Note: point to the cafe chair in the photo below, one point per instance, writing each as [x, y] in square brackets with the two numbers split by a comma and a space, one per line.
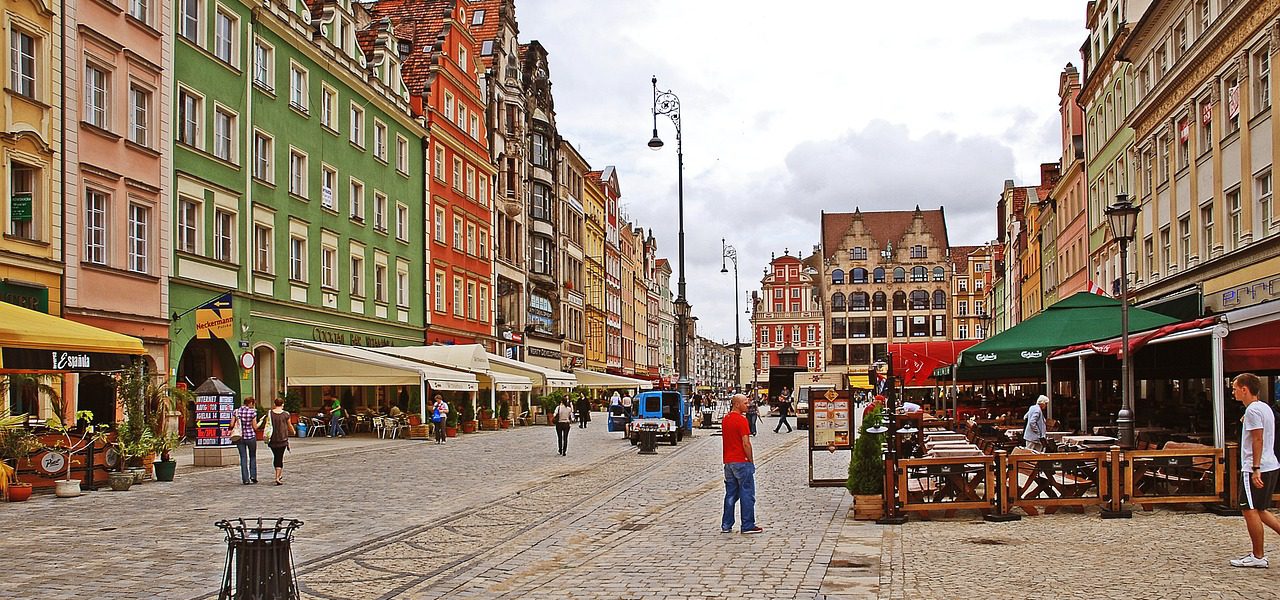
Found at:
[379, 426]
[391, 426]
[317, 427]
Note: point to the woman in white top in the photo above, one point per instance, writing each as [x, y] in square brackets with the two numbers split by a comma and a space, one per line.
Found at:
[563, 418]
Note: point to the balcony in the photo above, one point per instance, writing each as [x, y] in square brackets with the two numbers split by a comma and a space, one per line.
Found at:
[807, 314]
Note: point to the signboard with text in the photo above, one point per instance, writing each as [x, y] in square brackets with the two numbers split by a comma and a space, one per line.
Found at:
[831, 418]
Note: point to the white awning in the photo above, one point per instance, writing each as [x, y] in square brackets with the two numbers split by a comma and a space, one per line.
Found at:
[541, 376]
[310, 363]
[463, 357]
[596, 379]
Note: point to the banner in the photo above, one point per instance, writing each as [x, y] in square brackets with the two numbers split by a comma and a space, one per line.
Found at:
[214, 319]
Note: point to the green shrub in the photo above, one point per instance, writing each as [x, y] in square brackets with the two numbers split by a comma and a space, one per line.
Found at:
[866, 465]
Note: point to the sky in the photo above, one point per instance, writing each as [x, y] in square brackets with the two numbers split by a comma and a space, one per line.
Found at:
[791, 110]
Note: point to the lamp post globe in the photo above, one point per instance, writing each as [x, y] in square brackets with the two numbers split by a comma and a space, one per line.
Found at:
[668, 104]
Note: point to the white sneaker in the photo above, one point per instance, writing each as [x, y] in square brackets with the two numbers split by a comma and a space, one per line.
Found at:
[1249, 560]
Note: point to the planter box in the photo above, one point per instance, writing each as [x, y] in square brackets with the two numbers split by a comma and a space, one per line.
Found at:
[504, 423]
[468, 427]
[489, 424]
[419, 432]
[868, 507]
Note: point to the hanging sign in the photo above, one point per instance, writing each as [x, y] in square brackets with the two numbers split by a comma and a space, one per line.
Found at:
[214, 319]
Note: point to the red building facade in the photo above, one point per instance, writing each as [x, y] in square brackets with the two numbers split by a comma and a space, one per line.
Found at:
[785, 318]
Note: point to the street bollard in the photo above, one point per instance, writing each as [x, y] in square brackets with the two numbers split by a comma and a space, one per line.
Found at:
[648, 441]
[259, 564]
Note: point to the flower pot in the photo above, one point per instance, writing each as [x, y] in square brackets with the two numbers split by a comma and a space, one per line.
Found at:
[165, 469]
[66, 488]
[868, 507]
[450, 431]
[415, 420]
[120, 482]
[19, 492]
[469, 426]
[504, 423]
[139, 475]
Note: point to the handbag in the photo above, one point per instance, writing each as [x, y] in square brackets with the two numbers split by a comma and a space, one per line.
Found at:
[235, 436]
[267, 427]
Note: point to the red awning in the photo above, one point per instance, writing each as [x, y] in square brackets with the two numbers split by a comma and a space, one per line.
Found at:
[915, 361]
[1111, 347]
[1254, 348]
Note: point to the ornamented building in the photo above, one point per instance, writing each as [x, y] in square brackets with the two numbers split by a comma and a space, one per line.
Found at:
[970, 280]
[573, 257]
[787, 319]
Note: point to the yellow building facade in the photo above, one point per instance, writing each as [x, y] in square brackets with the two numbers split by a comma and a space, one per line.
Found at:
[593, 205]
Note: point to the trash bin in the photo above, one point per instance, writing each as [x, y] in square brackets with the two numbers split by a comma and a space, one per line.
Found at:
[707, 415]
[302, 429]
[259, 563]
[648, 441]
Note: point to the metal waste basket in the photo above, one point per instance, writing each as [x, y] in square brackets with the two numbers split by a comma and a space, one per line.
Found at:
[259, 563]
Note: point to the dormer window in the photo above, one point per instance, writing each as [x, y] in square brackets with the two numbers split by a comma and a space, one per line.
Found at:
[477, 18]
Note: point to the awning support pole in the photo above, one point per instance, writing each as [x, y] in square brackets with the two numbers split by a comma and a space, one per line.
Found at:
[422, 399]
[1048, 386]
[1082, 390]
[1219, 391]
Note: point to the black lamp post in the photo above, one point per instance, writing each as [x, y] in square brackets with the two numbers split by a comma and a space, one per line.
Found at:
[730, 253]
[1123, 219]
[667, 103]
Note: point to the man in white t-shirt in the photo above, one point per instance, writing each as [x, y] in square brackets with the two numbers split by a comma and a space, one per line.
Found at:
[1258, 465]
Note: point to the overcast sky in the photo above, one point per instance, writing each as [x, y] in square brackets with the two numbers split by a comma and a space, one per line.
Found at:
[790, 110]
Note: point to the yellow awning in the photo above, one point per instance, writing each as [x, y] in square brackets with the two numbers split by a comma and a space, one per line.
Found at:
[25, 329]
[860, 382]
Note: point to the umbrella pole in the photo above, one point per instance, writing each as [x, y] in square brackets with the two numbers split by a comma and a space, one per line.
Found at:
[1084, 412]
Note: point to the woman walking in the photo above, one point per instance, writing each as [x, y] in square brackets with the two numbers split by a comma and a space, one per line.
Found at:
[563, 417]
[278, 439]
[439, 413]
[753, 413]
[584, 411]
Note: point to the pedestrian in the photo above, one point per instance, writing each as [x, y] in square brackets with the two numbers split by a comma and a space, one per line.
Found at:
[753, 414]
[626, 404]
[584, 411]
[1258, 465]
[563, 417]
[739, 470]
[242, 422]
[336, 413]
[1034, 433]
[278, 437]
[439, 413]
[784, 407]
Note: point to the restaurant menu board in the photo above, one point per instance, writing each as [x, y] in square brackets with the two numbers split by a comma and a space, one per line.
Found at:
[213, 420]
[831, 423]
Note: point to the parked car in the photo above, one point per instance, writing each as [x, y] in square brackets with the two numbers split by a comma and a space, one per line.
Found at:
[665, 412]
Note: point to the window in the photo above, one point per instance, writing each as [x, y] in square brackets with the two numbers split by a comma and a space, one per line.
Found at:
[224, 37]
[962, 308]
[462, 117]
[440, 235]
[224, 232]
[357, 275]
[297, 87]
[878, 301]
[139, 218]
[858, 301]
[837, 302]
[919, 300]
[977, 285]
[471, 182]
[191, 13]
[475, 127]
[448, 106]
[541, 152]
[543, 255]
[1262, 189]
[402, 154]
[357, 201]
[811, 334]
[919, 251]
[264, 67]
[877, 276]
[482, 193]
[297, 174]
[380, 211]
[978, 308]
[457, 173]
[1206, 224]
[1261, 80]
[328, 274]
[439, 291]
[795, 335]
[764, 333]
[899, 300]
[899, 275]
[540, 202]
[1232, 98]
[939, 325]
[1184, 143]
[380, 283]
[962, 284]
[900, 326]
[188, 217]
[457, 233]
[962, 331]
[484, 248]
[297, 259]
[357, 125]
[1206, 125]
[95, 96]
[262, 257]
[1184, 241]
[471, 239]
[262, 157]
[1233, 226]
[380, 141]
[95, 227]
[402, 288]
[1148, 247]
[859, 328]
[439, 162]
[471, 300]
[1166, 249]
[939, 300]
[138, 9]
[328, 187]
[462, 58]
[139, 116]
[858, 275]
[837, 276]
[188, 118]
[919, 274]
[764, 358]
[22, 63]
[858, 253]
[224, 124]
[328, 107]
[939, 274]
[459, 306]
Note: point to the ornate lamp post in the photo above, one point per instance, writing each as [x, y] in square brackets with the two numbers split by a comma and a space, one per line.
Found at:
[667, 103]
[1123, 219]
[730, 253]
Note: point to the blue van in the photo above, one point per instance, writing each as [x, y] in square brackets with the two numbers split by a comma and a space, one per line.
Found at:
[665, 411]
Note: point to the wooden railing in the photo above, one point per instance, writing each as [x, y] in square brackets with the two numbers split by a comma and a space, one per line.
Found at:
[929, 484]
[1050, 481]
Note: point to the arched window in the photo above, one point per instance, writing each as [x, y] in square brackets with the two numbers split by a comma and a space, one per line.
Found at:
[858, 301]
[837, 301]
[899, 300]
[919, 300]
[919, 274]
[939, 299]
[859, 275]
[939, 274]
[877, 276]
[837, 276]
[899, 275]
[877, 301]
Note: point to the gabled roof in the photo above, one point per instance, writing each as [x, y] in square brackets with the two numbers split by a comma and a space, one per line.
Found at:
[883, 226]
[488, 29]
[960, 254]
[420, 22]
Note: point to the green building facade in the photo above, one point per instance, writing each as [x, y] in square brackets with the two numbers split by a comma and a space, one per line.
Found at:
[298, 190]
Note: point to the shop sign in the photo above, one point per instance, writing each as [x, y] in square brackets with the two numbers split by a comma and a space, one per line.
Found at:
[513, 336]
[832, 422]
[543, 352]
[1247, 294]
[214, 319]
[213, 420]
[51, 463]
[20, 207]
[347, 338]
[30, 297]
[57, 360]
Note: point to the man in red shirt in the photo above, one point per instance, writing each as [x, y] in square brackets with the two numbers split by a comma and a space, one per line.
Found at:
[739, 471]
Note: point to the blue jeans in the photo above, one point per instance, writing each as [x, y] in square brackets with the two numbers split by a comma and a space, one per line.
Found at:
[751, 421]
[739, 484]
[248, 459]
[335, 426]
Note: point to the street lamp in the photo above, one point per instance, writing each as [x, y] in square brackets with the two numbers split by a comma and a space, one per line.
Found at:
[1123, 219]
[730, 253]
[667, 103]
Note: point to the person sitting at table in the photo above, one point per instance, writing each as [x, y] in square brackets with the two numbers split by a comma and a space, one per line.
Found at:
[1034, 433]
[909, 407]
[394, 411]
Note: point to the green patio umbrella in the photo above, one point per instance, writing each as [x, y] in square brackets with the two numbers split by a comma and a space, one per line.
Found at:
[1020, 352]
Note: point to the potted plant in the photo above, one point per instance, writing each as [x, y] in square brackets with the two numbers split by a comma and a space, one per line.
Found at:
[414, 407]
[451, 420]
[163, 445]
[504, 414]
[16, 444]
[89, 434]
[293, 406]
[866, 469]
[132, 452]
[468, 417]
[549, 403]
